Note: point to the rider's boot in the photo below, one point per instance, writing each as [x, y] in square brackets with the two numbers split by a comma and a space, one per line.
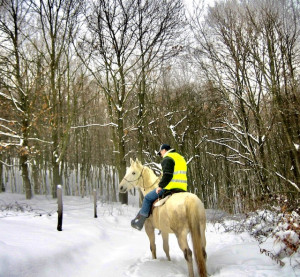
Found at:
[138, 222]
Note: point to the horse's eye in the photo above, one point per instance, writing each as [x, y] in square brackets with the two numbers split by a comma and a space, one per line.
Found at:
[133, 173]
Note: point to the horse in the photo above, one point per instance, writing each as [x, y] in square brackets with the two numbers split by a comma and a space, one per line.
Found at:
[181, 214]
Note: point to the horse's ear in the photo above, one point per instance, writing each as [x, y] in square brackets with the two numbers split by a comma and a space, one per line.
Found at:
[137, 161]
[131, 161]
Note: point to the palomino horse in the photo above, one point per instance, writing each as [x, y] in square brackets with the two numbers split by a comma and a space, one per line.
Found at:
[181, 214]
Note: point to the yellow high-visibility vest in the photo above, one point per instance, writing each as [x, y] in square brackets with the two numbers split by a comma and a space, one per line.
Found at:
[179, 180]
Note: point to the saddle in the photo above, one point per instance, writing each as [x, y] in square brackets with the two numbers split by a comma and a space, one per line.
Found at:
[167, 194]
[160, 202]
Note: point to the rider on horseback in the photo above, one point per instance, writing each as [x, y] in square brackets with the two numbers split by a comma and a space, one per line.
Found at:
[174, 179]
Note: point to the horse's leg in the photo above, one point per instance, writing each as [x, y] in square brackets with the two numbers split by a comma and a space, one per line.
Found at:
[203, 239]
[165, 237]
[183, 244]
[151, 235]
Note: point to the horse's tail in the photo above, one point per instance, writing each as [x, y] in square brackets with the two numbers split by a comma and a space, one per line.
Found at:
[196, 217]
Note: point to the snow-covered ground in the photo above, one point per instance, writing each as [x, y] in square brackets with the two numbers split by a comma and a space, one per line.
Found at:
[107, 246]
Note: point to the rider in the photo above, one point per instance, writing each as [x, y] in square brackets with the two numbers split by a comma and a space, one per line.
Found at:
[174, 179]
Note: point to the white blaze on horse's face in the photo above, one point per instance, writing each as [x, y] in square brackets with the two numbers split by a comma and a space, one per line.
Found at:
[131, 177]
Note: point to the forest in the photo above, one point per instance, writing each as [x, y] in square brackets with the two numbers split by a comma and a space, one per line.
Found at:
[87, 85]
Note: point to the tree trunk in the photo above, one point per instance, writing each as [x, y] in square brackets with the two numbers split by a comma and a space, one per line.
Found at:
[2, 187]
[25, 176]
[123, 197]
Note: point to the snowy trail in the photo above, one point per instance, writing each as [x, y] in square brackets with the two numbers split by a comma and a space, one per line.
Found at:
[107, 246]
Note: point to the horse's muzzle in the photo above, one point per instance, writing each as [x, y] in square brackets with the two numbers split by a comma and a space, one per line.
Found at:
[122, 189]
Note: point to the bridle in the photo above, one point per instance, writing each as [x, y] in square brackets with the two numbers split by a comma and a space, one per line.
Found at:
[141, 176]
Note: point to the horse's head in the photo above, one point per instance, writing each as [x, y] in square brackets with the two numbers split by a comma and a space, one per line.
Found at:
[132, 176]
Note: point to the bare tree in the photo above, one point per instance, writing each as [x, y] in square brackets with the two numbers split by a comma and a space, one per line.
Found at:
[128, 40]
[110, 37]
[244, 53]
[279, 24]
[57, 21]
[16, 84]
[159, 28]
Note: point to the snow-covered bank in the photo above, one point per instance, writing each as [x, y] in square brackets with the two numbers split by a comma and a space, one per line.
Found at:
[107, 246]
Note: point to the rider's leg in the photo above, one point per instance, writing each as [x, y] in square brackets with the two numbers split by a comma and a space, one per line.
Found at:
[139, 220]
[148, 201]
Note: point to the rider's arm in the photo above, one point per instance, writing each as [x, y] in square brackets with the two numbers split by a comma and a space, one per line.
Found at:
[168, 170]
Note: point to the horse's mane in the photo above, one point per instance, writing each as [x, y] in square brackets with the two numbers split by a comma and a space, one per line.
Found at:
[153, 178]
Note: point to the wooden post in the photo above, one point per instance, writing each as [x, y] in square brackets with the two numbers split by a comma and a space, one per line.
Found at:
[60, 208]
[95, 203]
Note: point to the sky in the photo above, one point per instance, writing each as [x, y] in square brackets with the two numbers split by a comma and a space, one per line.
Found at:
[189, 3]
[107, 246]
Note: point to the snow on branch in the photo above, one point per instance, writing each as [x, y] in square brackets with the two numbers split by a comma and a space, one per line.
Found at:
[10, 135]
[5, 96]
[8, 121]
[228, 158]
[172, 127]
[99, 125]
[3, 144]
[13, 99]
[180, 121]
[238, 140]
[169, 114]
[9, 165]
[192, 158]
[8, 129]
[235, 131]
[289, 181]
[219, 142]
[41, 140]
